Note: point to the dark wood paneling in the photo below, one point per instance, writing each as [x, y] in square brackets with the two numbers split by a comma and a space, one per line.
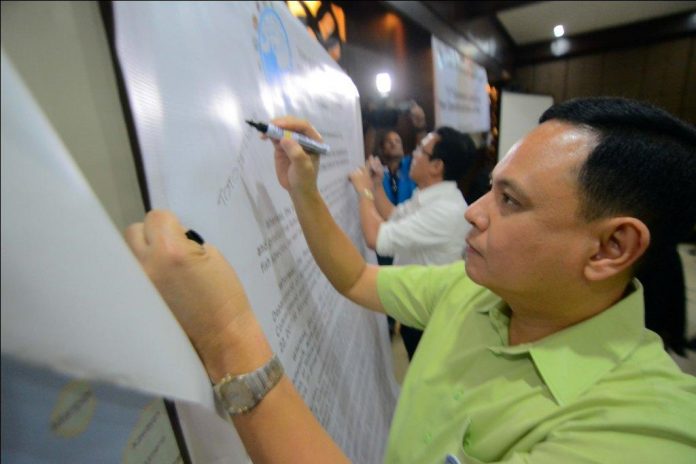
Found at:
[524, 79]
[584, 77]
[465, 41]
[621, 73]
[465, 10]
[488, 35]
[689, 105]
[662, 73]
[379, 40]
[549, 79]
[665, 77]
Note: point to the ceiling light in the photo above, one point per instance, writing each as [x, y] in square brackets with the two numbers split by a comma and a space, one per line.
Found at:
[558, 31]
[560, 46]
[383, 82]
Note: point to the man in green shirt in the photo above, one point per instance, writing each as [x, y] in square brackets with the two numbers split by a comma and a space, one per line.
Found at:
[534, 350]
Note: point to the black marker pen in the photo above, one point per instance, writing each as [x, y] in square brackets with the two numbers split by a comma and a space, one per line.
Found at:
[277, 133]
[193, 235]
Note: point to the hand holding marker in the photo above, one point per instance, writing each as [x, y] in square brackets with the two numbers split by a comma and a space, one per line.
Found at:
[277, 133]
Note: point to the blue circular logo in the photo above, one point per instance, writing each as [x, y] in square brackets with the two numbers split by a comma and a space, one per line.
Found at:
[274, 47]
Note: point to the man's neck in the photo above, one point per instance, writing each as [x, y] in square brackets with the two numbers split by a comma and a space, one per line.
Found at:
[424, 184]
[532, 322]
[393, 164]
[528, 330]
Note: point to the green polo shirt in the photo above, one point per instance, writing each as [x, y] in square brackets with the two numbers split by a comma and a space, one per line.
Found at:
[601, 391]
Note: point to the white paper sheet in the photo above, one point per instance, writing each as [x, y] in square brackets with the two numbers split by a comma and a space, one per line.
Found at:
[50, 418]
[194, 72]
[74, 299]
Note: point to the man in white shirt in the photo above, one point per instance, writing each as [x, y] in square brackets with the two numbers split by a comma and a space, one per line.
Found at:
[429, 228]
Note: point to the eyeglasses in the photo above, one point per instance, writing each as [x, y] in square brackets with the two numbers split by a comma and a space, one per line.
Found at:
[419, 150]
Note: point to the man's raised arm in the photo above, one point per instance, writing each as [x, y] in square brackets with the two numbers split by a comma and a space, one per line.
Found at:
[208, 300]
[336, 255]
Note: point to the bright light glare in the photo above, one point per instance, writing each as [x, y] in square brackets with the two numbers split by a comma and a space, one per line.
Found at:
[558, 31]
[383, 82]
[226, 107]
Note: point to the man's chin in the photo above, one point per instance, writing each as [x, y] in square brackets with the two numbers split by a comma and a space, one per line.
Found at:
[471, 271]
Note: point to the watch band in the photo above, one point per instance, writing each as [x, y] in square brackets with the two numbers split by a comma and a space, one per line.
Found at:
[241, 393]
[367, 193]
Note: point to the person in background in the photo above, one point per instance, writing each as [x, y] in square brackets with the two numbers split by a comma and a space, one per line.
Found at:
[429, 227]
[396, 181]
[396, 187]
[534, 348]
[411, 125]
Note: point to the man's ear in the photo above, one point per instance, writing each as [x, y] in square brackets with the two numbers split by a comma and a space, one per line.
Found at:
[621, 241]
[437, 167]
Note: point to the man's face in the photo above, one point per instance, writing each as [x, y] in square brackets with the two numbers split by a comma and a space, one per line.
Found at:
[417, 117]
[528, 237]
[391, 146]
[421, 158]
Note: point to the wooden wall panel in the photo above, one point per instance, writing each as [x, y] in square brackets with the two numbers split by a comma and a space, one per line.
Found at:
[622, 72]
[584, 76]
[688, 111]
[549, 79]
[663, 73]
[664, 82]
[525, 78]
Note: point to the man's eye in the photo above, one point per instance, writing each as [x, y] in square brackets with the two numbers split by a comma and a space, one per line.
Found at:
[508, 200]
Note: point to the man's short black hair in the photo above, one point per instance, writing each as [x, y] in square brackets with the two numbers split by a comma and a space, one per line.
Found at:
[643, 166]
[456, 150]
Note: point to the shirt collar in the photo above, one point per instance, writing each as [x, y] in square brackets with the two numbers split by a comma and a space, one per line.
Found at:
[435, 191]
[574, 359]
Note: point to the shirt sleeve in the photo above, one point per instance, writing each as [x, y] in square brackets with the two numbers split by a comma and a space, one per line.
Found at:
[607, 446]
[410, 294]
[433, 225]
[657, 430]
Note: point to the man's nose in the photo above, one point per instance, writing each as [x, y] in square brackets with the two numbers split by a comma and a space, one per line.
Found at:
[476, 214]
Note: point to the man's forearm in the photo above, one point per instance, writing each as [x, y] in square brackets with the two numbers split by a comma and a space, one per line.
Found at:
[334, 252]
[281, 428]
[384, 206]
[370, 221]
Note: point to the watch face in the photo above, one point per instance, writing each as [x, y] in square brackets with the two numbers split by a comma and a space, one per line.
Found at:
[241, 393]
[238, 395]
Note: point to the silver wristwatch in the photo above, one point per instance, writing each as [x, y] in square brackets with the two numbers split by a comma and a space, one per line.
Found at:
[241, 393]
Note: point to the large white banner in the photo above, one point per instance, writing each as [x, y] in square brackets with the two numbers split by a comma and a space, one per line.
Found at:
[88, 345]
[194, 71]
[461, 99]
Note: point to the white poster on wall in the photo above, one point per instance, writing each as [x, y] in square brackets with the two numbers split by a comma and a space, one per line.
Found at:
[194, 72]
[461, 96]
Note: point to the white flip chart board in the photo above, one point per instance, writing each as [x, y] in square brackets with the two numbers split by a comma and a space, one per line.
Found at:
[194, 71]
[519, 114]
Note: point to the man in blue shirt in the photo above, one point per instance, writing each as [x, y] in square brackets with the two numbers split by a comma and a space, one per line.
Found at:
[398, 187]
